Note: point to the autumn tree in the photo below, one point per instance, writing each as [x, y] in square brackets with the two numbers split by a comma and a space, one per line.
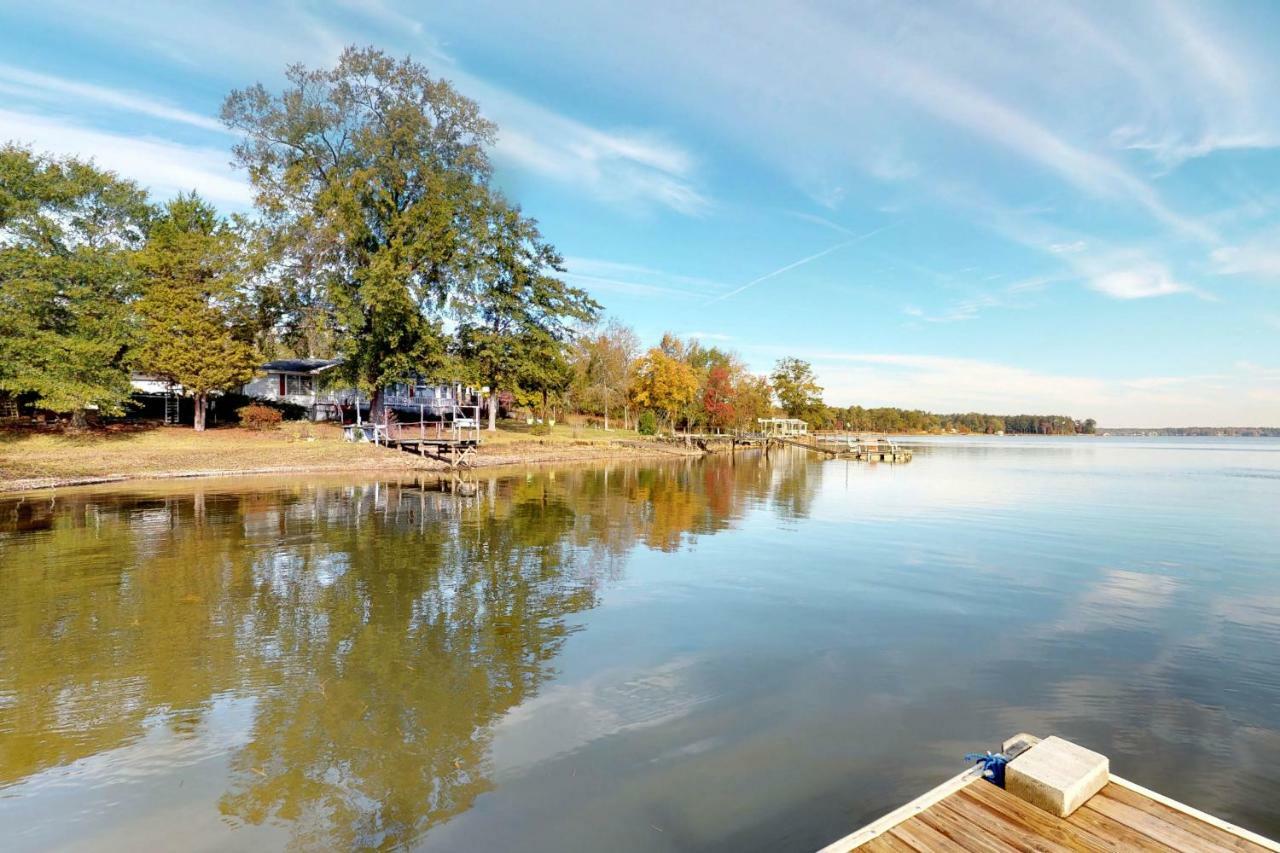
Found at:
[67, 233]
[197, 327]
[663, 383]
[370, 179]
[517, 314]
[603, 359]
[753, 399]
[797, 388]
[719, 398]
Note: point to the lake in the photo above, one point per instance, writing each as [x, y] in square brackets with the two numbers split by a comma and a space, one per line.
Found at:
[735, 653]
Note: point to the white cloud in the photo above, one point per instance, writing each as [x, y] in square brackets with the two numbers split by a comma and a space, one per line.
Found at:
[166, 167]
[1139, 282]
[947, 384]
[48, 87]
[1261, 260]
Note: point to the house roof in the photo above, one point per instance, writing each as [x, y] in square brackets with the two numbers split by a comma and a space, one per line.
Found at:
[300, 365]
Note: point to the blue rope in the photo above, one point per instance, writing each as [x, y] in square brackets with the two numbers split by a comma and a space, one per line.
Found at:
[992, 765]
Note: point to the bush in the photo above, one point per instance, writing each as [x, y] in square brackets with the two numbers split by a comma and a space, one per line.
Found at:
[260, 417]
[648, 423]
[540, 429]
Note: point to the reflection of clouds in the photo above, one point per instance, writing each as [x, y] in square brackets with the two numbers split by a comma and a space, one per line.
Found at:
[1255, 611]
[567, 717]
[1121, 599]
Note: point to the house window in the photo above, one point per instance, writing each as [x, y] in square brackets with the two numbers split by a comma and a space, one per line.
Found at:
[300, 385]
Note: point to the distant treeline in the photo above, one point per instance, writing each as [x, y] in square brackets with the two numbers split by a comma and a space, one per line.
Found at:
[1257, 432]
[914, 420]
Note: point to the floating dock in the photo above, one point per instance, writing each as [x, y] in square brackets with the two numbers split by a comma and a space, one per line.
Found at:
[1055, 796]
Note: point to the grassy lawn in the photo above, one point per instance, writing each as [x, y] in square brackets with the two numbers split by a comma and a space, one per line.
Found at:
[136, 450]
[139, 451]
[512, 432]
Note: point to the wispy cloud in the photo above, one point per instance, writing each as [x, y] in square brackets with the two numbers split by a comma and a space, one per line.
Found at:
[34, 85]
[637, 280]
[1260, 260]
[794, 264]
[166, 167]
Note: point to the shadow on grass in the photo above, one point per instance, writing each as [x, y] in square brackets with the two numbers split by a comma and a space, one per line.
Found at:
[14, 433]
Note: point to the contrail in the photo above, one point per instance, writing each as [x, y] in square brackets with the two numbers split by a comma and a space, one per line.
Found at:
[799, 263]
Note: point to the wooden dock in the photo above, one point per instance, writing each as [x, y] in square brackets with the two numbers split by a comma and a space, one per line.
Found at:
[970, 813]
[447, 442]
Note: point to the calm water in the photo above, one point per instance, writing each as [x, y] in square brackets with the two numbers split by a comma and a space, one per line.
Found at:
[717, 655]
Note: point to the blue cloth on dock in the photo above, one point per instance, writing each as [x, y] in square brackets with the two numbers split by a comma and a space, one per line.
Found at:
[992, 765]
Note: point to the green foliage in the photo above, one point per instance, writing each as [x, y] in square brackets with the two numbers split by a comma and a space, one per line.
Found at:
[371, 180]
[904, 420]
[197, 326]
[648, 424]
[259, 417]
[66, 283]
[798, 390]
[540, 429]
[516, 316]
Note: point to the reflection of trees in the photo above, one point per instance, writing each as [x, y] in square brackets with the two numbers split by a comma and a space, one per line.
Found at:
[380, 630]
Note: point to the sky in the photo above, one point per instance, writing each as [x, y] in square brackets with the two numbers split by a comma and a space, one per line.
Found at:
[992, 206]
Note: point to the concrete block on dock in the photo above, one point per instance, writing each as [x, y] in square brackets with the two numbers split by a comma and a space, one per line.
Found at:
[1057, 775]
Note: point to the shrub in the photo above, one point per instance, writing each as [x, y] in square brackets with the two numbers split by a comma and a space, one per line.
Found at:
[260, 417]
[540, 429]
[648, 423]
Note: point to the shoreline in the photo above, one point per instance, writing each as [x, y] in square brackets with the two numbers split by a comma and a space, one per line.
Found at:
[500, 455]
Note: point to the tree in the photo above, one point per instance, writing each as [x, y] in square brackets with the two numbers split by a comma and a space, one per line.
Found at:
[197, 329]
[66, 284]
[718, 398]
[664, 383]
[753, 399]
[370, 179]
[516, 316]
[603, 361]
[797, 388]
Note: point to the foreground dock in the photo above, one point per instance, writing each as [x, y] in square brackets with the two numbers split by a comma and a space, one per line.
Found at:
[968, 812]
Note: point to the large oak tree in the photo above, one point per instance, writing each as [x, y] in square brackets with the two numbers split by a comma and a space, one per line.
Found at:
[372, 179]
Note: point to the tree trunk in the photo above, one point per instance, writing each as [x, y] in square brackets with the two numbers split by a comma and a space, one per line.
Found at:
[544, 405]
[606, 410]
[493, 410]
[376, 413]
[201, 403]
[78, 420]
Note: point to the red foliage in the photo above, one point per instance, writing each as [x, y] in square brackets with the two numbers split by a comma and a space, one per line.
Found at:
[718, 399]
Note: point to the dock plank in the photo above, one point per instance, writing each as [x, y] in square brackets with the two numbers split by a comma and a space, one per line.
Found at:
[1183, 821]
[980, 817]
[1004, 825]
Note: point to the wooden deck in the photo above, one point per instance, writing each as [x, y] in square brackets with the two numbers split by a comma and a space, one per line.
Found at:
[970, 813]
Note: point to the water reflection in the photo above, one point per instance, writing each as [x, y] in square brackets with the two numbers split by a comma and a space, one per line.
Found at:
[373, 633]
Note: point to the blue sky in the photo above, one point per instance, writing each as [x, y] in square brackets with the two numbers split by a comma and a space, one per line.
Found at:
[996, 206]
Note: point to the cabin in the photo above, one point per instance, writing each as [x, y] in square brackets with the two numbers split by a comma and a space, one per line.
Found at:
[782, 427]
[300, 382]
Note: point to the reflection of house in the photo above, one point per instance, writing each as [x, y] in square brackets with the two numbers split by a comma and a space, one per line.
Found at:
[298, 382]
[783, 426]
